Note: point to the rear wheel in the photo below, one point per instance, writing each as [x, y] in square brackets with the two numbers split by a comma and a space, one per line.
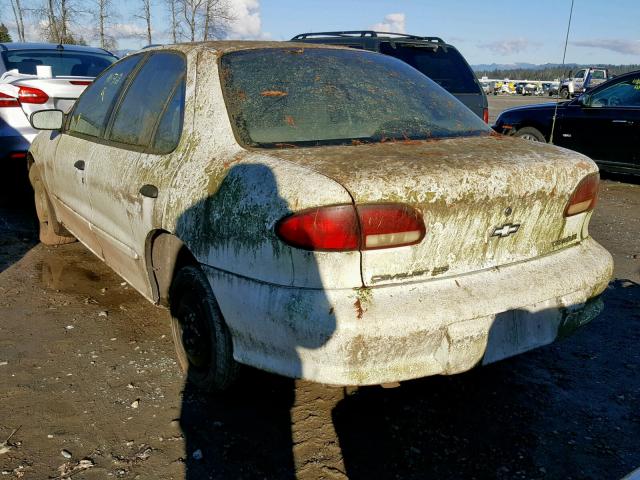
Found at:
[564, 93]
[200, 334]
[46, 220]
[531, 134]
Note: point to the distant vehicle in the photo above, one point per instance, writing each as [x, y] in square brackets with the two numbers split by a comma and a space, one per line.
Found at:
[41, 76]
[438, 60]
[603, 123]
[582, 81]
[318, 212]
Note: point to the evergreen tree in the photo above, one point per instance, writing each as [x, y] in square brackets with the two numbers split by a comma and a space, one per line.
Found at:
[4, 34]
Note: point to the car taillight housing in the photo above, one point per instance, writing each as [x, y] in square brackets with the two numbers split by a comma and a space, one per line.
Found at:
[585, 196]
[347, 227]
[32, 95]
[485, 115]
[8, 101]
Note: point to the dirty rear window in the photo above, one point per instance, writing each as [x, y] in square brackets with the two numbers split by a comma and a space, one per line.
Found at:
[292, 96]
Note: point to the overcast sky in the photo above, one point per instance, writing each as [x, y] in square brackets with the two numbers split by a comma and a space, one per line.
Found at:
[602, 31]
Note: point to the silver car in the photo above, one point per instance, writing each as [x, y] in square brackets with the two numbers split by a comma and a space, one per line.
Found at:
[319, 212]
[40, 76]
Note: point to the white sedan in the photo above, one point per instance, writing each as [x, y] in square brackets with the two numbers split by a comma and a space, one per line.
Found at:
[319, 212]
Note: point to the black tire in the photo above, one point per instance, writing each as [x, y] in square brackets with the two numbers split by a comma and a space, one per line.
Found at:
[564, 93]
[200, 334]
[531, 134]
[50, 232]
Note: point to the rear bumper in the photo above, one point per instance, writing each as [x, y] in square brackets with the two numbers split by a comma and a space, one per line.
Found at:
[400, 332]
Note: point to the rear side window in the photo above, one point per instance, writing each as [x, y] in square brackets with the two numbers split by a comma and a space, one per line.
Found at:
[168, 133]
[445, 66]
[92, 109]
[146, 98]
[62, 63]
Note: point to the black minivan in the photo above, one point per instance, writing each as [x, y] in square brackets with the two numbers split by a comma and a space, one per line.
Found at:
[438, 60]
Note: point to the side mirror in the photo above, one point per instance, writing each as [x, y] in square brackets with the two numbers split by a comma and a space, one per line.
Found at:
[583, 100]
[47, 119]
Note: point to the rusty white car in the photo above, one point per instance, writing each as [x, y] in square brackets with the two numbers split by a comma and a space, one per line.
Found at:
[319, 212]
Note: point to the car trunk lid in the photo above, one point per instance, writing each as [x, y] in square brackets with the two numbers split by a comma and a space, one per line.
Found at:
[486, 201]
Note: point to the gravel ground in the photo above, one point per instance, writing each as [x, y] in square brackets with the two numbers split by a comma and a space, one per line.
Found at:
[88, 379]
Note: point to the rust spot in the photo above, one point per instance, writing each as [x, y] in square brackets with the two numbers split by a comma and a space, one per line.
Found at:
[357, 142]
[241, 95]
[290, 121]
[408, 141]
[286, 145]
[236, 158]
[273, 93]
[359, 309]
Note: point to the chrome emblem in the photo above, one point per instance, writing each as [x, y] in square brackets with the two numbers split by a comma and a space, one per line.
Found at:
[505, 230]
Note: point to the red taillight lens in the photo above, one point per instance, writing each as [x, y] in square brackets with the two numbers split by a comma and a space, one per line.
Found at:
[80, 82]
[8, 101]
[324, 228]
[485, 115]
[584, 197]
[32, 95]
[345, 228]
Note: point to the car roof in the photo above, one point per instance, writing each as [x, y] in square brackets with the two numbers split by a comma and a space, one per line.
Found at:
[10, 46]
[225, 46]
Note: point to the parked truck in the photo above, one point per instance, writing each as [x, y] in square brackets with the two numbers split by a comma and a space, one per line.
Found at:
[583, 80]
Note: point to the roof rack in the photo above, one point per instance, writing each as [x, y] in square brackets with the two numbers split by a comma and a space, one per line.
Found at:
[366, 33]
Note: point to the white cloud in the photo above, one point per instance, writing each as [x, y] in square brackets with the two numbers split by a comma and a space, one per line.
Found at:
[508, 46]
[123, 31]
[394, 22]
[626, 47]
[246, 23]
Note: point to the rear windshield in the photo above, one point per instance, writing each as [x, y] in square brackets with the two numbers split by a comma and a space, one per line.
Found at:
[443, 65]
[294, 96]
[63, 63]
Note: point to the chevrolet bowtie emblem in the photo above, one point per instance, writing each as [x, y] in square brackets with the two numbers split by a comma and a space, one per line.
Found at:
[505, 230]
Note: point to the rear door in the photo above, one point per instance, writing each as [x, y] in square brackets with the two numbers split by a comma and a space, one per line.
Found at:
[71, 170]
[130, 169]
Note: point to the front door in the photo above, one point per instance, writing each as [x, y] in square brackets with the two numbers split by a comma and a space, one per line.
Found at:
[606, 126]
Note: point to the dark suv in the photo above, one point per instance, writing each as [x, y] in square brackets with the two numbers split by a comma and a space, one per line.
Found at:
[431, 55]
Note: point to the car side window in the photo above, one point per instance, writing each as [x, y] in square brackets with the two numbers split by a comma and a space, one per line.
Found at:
[145, 99]
[597, 75]
[625, 93]
[167, 134]
[580, 74]
[91, 112]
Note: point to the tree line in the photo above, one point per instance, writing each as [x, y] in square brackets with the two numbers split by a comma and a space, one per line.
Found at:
[62, 21]
[550, 72]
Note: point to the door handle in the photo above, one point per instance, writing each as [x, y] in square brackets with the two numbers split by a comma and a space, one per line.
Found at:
[150, 191]
[79, 164]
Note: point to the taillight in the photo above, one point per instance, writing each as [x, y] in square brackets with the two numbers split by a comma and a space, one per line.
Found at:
[585, 196]
[8, 101]
[485, 115]
[80, 82]
[32, 95]
[345, 227]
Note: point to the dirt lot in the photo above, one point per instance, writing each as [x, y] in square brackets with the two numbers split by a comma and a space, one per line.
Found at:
[87, 372]
[498, 103]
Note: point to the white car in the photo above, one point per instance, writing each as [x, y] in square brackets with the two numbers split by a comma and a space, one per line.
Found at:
[41, 76]
[319, 212]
